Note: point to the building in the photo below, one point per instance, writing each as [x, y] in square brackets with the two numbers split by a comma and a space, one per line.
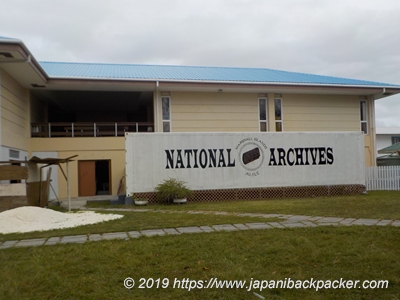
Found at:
[55, 109]
[386, 136]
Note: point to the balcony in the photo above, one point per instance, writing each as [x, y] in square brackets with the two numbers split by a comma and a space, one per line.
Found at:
[88, 129]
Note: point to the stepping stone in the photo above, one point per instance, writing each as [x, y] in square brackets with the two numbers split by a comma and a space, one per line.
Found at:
[95, 237]
[366, 222]
[295, 219]
[8, 244]
[268, 216]
[315, 219]
[31, 243]
[152, 232]
[171, 231]
[224, 227]
[330, 220]
[80, 239]
[115, 235]
[189, 229]
[293, 225]
[247, 215]
[328, 224]
[309, 224]
[206, 228]
[241, 226]
[134, 234]
[285, 216]
[53, 240]
[396, 223]
[276, 224]
[384, 222]
[258, 225]
[348, 221]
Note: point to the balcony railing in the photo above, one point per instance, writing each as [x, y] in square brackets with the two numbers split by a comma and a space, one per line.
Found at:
[86, 129]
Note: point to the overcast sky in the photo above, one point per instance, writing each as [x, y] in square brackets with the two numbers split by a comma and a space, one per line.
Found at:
[346, 38]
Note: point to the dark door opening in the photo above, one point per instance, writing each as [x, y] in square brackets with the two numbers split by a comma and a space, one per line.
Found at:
[102, 177]
[94, 177]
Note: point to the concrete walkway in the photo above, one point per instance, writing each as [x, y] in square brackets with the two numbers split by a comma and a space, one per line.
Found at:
[289, 222]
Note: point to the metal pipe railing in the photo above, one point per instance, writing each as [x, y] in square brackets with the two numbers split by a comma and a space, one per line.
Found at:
[88, 129]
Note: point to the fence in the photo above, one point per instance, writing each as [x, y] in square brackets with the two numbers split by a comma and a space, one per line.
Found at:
[86, 129]
[383, 178]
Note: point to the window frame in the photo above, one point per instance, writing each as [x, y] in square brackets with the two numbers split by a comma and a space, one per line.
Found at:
[260, 121]
[364, 116]
[281, 112]
[166, 121]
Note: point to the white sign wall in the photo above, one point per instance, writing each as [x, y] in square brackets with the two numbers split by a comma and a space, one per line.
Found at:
[244, 160]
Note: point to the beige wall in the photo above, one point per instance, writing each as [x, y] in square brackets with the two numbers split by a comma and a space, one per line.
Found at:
[369, 139]
[112, 148]
[320, 113]
[15, 116]
[214, 112]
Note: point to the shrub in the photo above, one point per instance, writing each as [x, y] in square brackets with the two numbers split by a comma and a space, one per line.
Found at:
[172, 189]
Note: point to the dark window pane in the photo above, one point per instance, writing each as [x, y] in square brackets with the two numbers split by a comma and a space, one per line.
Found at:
[278, 109]
[166, 127]
[278, 126]
[165, 108]
[364, 127]
[263, 109]
[363, 111]
[263, 126]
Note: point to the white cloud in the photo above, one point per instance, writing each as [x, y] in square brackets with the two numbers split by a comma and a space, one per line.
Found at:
[355, 39]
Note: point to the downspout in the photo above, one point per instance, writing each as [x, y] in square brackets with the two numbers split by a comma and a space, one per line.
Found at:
[1, 145]
[374, 129]
[156, 114]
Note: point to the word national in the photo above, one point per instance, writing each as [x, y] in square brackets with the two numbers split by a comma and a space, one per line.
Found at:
[199, 158]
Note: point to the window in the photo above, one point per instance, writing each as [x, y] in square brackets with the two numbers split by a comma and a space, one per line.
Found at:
[166, 114]
[278, 115]
[364, 116]
[395, 139]
[13, 153]
[262, 107]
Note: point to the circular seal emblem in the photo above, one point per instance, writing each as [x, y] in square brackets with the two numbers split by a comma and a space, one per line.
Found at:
[251, 156]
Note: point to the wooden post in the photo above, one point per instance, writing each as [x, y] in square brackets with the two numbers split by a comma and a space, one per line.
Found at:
[68, 188]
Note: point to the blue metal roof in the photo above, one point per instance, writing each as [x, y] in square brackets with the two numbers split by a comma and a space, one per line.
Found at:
[192, 73]
[9, 39]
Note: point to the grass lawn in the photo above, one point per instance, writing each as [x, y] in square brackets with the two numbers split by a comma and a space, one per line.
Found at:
[96, 270]
[374, 205]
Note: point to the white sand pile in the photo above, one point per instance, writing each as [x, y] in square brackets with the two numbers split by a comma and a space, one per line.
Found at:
[31, 218]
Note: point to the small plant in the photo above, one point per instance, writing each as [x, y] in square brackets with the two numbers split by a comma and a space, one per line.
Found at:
[172, 189]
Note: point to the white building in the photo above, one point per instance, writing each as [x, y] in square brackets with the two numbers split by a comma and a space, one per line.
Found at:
[386, 136]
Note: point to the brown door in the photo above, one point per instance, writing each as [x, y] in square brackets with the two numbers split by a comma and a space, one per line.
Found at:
[87, 177]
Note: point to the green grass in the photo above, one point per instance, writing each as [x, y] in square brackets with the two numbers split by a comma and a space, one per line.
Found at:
[374, 205]
[96, 270]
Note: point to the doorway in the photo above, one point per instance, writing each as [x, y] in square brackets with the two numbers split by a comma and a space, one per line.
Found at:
[94, 177]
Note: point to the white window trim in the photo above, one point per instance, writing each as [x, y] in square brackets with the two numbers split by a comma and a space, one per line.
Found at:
[266, 114]
[162, 114]
[366, 117]
[281, 120]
